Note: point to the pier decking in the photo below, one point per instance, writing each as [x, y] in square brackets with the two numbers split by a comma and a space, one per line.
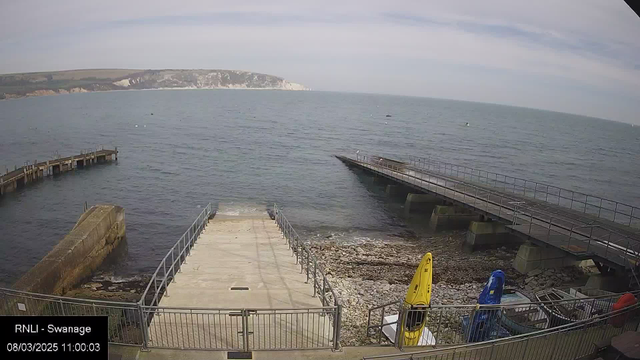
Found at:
[241, 287]
[19, 177]
[238, 252]
[613, 241]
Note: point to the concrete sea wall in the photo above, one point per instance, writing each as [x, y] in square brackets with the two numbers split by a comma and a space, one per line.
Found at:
[98, 231]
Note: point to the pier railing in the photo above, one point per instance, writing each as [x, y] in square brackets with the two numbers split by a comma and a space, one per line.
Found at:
[124, 319]
[462, 324]
[309, 264]
[573, 235]
[171, 263]
[567, 342]
[149, 325]
[240, 329]
[597, 206]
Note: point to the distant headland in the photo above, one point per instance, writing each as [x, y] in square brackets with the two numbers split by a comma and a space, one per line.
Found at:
[76, 81]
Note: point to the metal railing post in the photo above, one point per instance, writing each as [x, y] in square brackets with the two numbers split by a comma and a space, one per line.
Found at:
[336, 327]
[572, 195]
[399, 338]
[143, 326]
[546, 196]
[530, 222]
[324, 290]
[600, 208]
[570, 234]
[315, 277]
[245, 330]
[308, 262]
[584, 330]
[166, 285]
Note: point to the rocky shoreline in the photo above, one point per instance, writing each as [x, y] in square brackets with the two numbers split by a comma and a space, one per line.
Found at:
[369, 274]
[372, 273]
[106, 286]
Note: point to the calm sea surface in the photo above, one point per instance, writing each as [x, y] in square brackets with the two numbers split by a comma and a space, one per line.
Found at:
[241, 148]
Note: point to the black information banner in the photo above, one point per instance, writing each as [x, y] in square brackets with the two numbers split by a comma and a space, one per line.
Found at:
[54, 337]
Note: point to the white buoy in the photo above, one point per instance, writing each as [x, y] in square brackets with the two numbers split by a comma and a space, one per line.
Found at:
[145, 125]
[136, 125]
[385, 123]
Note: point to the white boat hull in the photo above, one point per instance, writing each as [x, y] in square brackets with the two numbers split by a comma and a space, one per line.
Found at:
[389, 330]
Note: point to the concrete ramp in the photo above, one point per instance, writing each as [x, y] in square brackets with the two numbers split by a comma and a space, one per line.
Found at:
[241, 261]
[240, 289]
[98, 231]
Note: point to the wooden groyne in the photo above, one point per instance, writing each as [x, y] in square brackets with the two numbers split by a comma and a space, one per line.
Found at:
[31, 172]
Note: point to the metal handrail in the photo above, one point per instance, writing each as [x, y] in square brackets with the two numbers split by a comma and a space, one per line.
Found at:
[483, 194]
[294, 242]
[469, 308]
[481, 190]
[178, 253]
[502, 306]
[307, 260]
[517, 338]
[140, 316]
[538, 188]
[65, 299]
[22, 303]
[236, 309]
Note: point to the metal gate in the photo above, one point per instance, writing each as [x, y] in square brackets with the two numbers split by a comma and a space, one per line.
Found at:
[240, 329]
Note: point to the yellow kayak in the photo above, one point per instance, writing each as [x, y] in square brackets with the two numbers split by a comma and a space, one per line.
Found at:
[418, 297]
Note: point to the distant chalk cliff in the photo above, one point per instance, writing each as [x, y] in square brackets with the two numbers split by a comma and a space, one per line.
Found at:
[73, 81]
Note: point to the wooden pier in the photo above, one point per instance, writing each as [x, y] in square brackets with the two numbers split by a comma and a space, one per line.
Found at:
[29, 173]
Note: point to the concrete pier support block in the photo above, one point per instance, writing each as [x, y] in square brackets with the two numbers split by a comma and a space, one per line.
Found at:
[396, 190]
[613, 283]
[486, 234]
[421, 203]
[451, 217]
[531, 257]
[380, 180]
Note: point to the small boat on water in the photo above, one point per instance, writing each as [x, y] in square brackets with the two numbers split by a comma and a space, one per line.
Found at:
[521, 319]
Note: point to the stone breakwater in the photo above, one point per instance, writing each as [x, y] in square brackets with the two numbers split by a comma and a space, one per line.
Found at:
[373, 273]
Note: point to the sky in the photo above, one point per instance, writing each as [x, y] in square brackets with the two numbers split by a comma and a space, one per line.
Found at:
[575, 56]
